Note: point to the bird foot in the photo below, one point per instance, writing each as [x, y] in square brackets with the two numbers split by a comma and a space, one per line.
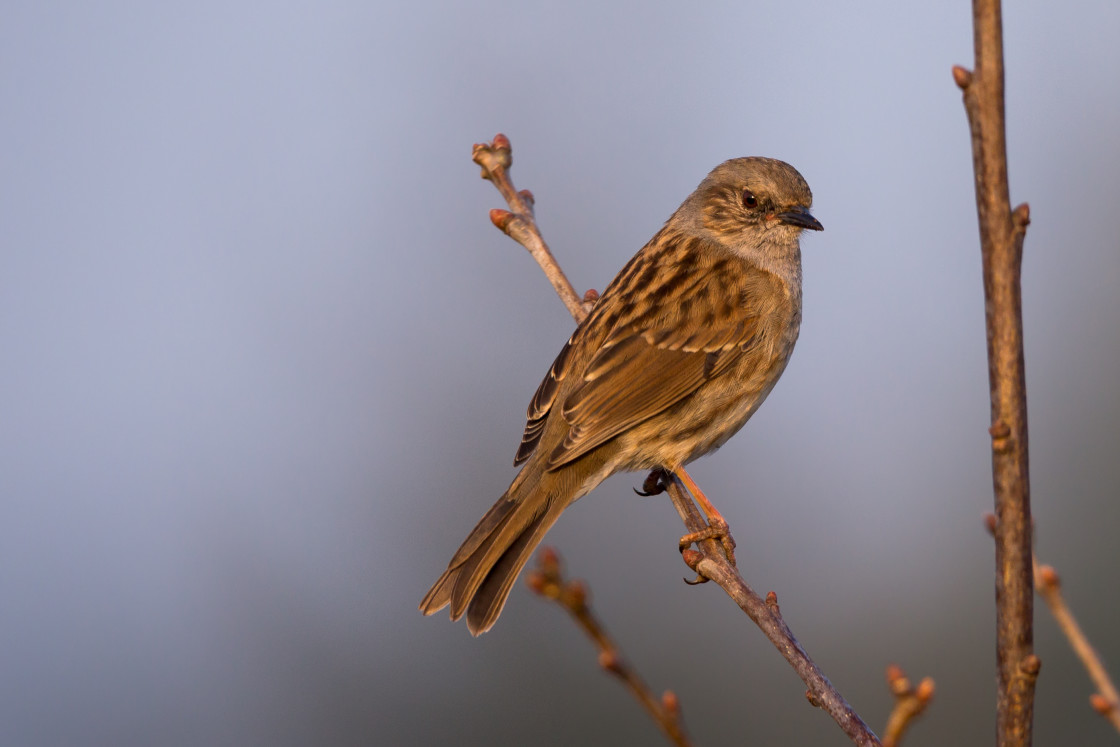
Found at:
[717, 529]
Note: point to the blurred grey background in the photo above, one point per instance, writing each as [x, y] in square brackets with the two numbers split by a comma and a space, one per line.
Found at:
[266, 361]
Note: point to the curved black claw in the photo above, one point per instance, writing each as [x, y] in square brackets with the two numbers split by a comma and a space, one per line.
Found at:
[700, 579]
[655, 484]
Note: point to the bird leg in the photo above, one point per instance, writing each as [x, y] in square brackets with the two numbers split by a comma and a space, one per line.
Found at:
[717, 526]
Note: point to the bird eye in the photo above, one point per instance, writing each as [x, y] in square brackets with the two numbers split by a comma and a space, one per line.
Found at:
[749, 200]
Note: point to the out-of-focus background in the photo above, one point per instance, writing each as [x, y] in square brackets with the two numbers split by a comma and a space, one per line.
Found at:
[266, 361]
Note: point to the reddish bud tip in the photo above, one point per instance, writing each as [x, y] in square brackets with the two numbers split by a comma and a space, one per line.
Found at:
[1022, 214]
[670, 702]
[990, 523]
[501, 218]
[501, 141]
[536, 581]
[1101, 704]
[577, 594]
[528, 197]
[925, 690]
[771, 599]
[548, 560]
[692, 558]
[1000, 429]
[812, 699]
[1048, 577]
[1031, 665]
[609, 661]
[962, 77]
[897, 681]
[591, 296]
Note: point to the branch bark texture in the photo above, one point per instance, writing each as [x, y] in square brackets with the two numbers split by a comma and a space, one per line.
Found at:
[1001, 243]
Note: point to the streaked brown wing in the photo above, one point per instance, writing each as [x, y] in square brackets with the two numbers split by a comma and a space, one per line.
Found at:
[636, 376]
[680, 313]
[541, 404]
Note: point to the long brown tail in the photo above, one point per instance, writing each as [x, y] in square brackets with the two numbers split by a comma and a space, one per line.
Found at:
[480, 576]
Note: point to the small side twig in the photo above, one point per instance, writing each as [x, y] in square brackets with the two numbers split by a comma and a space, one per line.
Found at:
[909, 703]
[1106, 701]
[520, 224]
[709, 561]
[548, 581]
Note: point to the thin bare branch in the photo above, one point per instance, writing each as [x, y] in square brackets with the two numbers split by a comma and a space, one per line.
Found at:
[548, 581]
[519, 223]
[910, 702]
[1106, 700]
[710, 561]
[1001, 242]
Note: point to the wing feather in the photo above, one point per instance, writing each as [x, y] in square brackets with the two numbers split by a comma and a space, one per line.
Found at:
[703, 311]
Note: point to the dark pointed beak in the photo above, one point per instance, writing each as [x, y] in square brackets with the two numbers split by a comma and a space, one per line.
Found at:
[800, 216]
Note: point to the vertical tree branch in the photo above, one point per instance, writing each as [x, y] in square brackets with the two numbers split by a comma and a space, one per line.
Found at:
[1001, 244]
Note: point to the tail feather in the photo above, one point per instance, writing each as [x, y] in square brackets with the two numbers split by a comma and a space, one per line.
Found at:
[479, 578]
[486, 526]
[480, 563]
[490, 597]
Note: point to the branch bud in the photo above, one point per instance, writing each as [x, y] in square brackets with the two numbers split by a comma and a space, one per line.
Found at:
[925, 690]
[609, 661]
[536, 581]
[962, 77]
[501, 218]
[671, 703]
[1101, 704]
[1048, 577]
[502, 150]
[692, 558]
[575, 593]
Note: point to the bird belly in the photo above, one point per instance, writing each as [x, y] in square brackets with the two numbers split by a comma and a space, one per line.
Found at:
[702, 422]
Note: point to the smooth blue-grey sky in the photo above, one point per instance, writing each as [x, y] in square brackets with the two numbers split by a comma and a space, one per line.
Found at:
[266, 363]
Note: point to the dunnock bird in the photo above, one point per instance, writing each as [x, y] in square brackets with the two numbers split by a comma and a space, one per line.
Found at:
[677, 354]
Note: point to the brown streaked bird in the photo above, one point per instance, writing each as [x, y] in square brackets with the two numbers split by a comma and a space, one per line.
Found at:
[678, 353]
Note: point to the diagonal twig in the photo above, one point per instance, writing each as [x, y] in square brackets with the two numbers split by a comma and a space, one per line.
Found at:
[1105, 701]
[709, 560]
[548, 581]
